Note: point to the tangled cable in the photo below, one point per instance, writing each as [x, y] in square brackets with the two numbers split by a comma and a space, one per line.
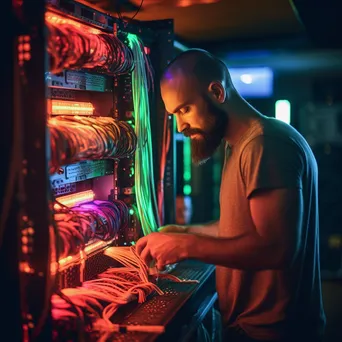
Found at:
[72, 45]
[79, 225]
[100, 298]
[79, 138]
[144, 175]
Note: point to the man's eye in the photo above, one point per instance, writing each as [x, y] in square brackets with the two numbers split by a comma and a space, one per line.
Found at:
[186, 110]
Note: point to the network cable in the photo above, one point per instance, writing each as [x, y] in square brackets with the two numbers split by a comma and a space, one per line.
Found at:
[100, 298]
[73, 45]
[79, 225]
[144, 175]
[80, 138]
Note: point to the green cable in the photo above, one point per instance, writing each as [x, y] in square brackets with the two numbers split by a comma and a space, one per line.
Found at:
[143, 175]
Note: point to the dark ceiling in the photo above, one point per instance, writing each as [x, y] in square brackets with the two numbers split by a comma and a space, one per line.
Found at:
[223, 20]
[263, 32]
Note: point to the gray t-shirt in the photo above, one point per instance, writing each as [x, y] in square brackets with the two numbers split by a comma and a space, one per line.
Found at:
[270, 304]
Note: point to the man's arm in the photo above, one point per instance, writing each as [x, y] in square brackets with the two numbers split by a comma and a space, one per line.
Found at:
[272, 172]
[208, 229]
[274, 244]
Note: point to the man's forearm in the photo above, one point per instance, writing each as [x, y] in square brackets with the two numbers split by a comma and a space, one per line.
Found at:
[242, 252]
[209, 229]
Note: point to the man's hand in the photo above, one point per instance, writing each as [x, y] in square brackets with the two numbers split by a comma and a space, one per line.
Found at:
[164, 248]
[172, 228]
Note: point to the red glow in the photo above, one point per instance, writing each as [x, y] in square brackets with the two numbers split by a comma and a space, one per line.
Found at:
[55, 19]
[72, 44]
[187, 3]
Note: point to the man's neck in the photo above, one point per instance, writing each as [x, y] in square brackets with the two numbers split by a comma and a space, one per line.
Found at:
[241, 116]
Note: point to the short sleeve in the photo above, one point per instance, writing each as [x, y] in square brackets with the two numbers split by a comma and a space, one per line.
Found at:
[271, 163]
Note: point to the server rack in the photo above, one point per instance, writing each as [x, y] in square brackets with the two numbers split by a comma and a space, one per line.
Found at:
[30, 233]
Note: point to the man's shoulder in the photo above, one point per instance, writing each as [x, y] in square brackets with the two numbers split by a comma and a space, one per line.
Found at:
[271, 132]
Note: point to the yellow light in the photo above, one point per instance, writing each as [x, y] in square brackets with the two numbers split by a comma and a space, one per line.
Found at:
[75, 199]
[60, 107]
[65, 260]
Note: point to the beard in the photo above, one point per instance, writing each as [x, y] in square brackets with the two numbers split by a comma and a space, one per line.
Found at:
[203, 148]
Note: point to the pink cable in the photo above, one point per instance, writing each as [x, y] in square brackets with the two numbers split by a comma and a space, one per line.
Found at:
[114, 287]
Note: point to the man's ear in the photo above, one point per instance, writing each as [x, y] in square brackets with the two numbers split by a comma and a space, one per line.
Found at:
[217, 90]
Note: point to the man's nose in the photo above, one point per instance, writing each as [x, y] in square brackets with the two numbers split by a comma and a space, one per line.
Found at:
[181, 125]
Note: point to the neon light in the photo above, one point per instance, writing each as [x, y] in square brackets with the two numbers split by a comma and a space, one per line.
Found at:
[65, 260]
[180, 46]
[57, 19]
[184, 3]
[60, 107]
[25, 267]
[283, 111]
[253, 82]
[187, 189]
[144, 174]
[246, 78]
[187, 166]
[75, 199]
[187, 175]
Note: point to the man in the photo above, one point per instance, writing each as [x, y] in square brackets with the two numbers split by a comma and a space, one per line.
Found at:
[265, 244]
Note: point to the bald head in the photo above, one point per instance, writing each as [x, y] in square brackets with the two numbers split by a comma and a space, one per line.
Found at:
[194, 88]
[199, 66]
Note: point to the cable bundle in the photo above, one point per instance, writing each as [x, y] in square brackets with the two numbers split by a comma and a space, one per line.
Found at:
[100, 298]
[98, 219]
[73, 45]
[144, 175]
[79, 138]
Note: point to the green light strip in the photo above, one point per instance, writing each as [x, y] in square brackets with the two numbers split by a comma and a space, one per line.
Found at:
[144, 177]
[187, 166]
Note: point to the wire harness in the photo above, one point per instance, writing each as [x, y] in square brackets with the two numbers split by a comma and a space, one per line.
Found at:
[72, 45]
[78, 138]
[100, 298]
[144, 175]
[97, 220]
